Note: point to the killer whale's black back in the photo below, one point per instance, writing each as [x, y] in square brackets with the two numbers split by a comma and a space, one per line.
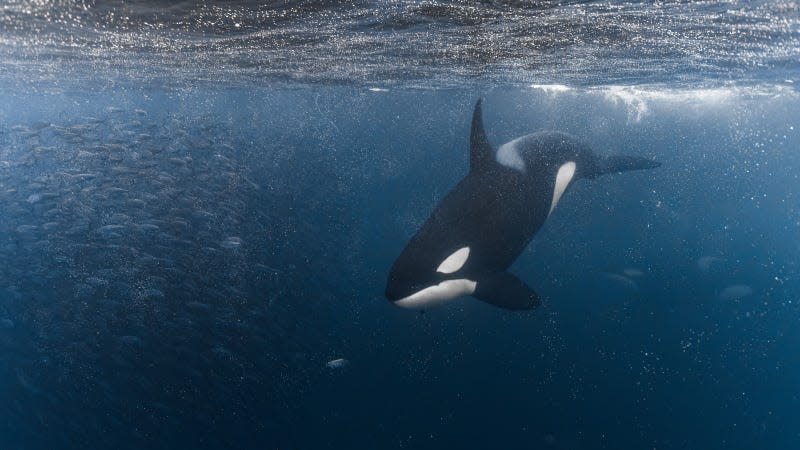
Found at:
[494, 212]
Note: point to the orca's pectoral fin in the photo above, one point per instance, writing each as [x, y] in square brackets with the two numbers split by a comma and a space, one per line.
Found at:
[506, 291]
[624, 163]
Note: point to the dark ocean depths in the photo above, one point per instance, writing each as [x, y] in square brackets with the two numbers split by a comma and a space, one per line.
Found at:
[200, 203]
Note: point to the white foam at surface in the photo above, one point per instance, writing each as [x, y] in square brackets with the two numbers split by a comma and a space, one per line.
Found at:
[552, 88]
[639, 101]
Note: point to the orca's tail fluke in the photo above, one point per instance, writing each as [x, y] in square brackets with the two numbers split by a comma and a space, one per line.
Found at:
[624, 163]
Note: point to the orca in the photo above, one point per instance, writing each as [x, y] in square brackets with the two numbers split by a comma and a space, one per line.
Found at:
[472, 237]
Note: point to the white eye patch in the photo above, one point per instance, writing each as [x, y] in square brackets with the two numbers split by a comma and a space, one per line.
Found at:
[455, 261]
[563, 177]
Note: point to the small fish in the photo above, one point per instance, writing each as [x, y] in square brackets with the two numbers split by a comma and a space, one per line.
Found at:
[96, 281]
[151, 294]
[338, 363]
[198, 306]
[736, 292]
[131, 340]
[622, 281]
[704, 263]
[632, 272]
[109, 229]
[147, 227]
[231, 242]
[84, 176]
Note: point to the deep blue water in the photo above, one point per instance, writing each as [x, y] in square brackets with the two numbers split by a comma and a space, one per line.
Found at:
[189, 233]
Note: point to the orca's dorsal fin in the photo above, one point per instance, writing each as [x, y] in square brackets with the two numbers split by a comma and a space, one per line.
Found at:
[480, 152]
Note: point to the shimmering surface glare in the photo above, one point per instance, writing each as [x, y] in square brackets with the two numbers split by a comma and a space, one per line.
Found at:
[432, 43]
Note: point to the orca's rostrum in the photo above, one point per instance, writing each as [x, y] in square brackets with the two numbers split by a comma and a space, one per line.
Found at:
[479, 229]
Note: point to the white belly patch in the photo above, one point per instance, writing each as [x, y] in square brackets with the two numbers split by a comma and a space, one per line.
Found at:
[440, 293]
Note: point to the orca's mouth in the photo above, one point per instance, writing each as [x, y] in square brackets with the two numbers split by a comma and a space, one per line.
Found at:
[395, 292]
